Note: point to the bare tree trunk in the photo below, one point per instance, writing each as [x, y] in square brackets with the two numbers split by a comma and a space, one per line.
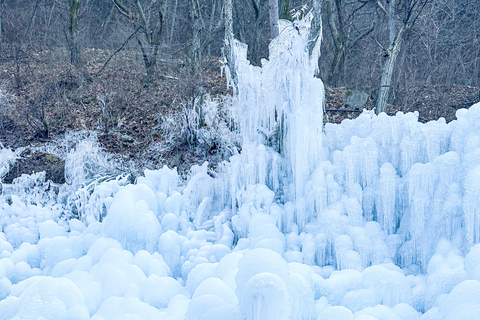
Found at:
[48, 24]
[392, 54]
[285, 10]
[315, 36]
[174, 17]
[338, 41]
[338, 66]
[72, 26]
[391, 21]
[258, 9]
[273, 9]
[196, 51]
[211, 25]
[228, 46]
[412, 13]
[342, 40]
[1, 23]
[107, 21]
[149, 60]
[150, 22]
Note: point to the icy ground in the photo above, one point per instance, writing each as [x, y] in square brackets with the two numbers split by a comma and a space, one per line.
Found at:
[375, 218]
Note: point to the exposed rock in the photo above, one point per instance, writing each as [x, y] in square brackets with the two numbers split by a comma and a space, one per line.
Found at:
[356, 99]
[30, 162]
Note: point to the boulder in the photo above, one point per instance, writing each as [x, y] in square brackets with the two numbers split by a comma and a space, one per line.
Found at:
[355, 99]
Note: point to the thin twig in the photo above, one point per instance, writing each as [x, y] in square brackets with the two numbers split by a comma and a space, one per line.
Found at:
[118, 50]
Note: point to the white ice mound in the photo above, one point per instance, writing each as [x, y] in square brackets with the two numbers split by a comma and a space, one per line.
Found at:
[131, 219]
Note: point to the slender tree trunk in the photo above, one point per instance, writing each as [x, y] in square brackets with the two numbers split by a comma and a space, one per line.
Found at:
[1, 24]
[391, 21]
[72, 26]
[228, 46]
[256, 40]
[388, 67]
[174, 17]
[273, 9]
[196, 51]
[48, 25]
[315, 36]
[150, 22]
[285, 10]
[211, 25]
[107, 21]
[391, 54]
[338, 65]
[338, 41]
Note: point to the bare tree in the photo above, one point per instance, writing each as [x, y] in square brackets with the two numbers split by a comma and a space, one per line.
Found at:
[196, 45]
[228, 43]
[1, 24]
[147, 19]
[409, 11]
[260, 11]
[273, 14]
[345, 33]
[73, 17]
[315, 36]
[284, 10]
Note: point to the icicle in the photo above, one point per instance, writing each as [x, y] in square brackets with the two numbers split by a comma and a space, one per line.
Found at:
[387, 198]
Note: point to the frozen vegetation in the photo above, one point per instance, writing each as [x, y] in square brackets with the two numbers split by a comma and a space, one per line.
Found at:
[375, 218]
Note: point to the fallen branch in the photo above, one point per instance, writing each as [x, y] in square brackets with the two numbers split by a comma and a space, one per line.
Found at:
[344, 110]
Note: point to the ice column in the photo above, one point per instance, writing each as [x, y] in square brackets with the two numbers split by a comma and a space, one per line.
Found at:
[281, 103]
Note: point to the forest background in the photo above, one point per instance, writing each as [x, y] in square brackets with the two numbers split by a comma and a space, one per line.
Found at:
[135, 70]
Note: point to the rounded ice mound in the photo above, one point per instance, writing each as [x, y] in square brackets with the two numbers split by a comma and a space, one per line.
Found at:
[265, 296]
[116, 308]
[335, 313]
[44, 298]
[261, 285]
[263, 233]
[50, 229]
[463, 302]
[389, 284]
[158, 291]
[472, 263]
[212, 307]
[213, 299]
[131, 221]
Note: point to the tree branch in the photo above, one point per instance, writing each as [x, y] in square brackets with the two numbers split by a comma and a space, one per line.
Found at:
[361, 36]
[118, 50]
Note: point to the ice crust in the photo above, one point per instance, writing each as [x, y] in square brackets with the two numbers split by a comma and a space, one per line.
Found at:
[373, 218]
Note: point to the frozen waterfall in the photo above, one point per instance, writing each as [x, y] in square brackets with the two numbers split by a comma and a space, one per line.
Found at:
[373, 218]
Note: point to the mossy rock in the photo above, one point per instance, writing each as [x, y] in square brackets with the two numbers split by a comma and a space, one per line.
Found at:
[30, 162]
